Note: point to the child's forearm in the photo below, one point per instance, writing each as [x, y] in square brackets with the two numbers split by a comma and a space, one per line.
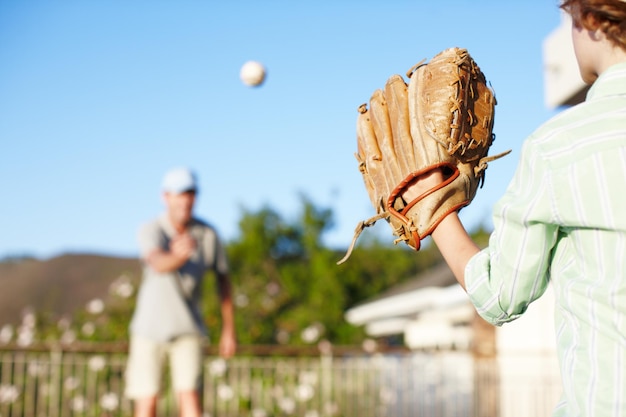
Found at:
[455, 244]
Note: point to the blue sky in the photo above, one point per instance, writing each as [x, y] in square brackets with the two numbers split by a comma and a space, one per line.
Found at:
[99, 98]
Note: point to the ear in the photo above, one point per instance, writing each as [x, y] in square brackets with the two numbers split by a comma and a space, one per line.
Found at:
[597, 35]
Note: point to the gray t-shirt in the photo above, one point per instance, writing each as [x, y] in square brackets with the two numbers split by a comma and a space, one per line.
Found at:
[167, 303]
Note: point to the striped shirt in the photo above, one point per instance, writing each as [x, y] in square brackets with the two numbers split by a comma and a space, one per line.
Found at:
[562, 221]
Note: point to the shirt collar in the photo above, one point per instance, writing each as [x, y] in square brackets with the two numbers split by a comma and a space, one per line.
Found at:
[168, 228]
[611, 82]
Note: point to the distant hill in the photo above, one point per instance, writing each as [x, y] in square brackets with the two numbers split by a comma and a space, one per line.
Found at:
[60, 285]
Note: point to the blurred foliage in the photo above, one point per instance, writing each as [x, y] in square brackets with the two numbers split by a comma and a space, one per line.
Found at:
[287, 287]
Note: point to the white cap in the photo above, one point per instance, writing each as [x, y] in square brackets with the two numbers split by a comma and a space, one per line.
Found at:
[179, 180]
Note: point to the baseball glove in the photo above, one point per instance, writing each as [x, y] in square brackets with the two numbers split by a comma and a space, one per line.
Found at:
[442, 120]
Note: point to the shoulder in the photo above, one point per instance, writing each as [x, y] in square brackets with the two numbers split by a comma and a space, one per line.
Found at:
[561, 122]
[601, 112]
[199, 225]
[149, 226]
[211, 245]
[150, 236]
[572, 139]
[565, 129]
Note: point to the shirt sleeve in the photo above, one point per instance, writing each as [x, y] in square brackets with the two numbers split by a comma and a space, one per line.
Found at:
[221, 260]
[215, 253]
[513, 271]
[149, 238]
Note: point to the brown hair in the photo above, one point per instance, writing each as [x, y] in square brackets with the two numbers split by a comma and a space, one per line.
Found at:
[607, 15]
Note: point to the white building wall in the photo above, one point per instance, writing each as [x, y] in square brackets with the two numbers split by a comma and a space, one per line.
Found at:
[528, 362]
[562, 82]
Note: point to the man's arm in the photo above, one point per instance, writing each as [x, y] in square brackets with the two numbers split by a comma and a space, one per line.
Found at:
[180, 250]
[228, 340]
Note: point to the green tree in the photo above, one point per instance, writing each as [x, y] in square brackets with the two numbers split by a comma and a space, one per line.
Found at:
[288, 287]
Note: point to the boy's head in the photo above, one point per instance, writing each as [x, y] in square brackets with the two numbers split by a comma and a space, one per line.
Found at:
[609, 16]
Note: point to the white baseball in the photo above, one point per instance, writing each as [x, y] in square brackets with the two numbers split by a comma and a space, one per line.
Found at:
[252, 73]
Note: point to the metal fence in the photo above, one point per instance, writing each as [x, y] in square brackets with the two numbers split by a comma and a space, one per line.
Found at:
[89, 382]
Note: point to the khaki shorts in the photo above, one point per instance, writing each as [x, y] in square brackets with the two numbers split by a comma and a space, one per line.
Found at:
[146, 359]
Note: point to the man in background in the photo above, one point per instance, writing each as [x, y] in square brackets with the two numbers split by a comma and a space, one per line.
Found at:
[177, 250]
